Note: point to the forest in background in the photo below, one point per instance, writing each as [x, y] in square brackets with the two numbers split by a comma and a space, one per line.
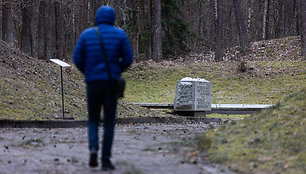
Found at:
[157, 29]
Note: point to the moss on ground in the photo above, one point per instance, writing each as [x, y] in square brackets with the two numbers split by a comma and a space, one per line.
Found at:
[272, 141]
[225, 116]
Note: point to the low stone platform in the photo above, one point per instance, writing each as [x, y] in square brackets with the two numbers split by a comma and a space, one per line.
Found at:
[215, 108]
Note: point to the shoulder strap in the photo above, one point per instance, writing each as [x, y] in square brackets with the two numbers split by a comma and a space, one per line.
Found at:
[104, 53]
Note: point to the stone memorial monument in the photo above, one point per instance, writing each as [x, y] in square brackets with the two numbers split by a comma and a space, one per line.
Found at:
[193, 95]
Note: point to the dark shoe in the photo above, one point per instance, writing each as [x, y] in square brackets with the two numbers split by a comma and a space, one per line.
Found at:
[107, 165]
[93, 160]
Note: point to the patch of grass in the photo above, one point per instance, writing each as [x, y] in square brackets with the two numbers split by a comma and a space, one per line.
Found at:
[33, 142]
[39, 98]
[267, 84]
[272, 141]
[74, 160]
[224, 116]
[187, 145]
[150, 149]
[134, 132]
[133, 170]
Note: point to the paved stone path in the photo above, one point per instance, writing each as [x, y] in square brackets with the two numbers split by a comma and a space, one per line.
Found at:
[143, 148]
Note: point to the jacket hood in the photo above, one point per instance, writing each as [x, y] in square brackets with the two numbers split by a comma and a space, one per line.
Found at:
[105, 15]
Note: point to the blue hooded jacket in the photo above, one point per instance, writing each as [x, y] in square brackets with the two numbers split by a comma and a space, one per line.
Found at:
[88, 56]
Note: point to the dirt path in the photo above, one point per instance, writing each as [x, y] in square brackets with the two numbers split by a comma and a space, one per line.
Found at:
[145, 148]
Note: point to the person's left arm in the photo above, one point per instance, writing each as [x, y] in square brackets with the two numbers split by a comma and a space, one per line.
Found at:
[126, 54]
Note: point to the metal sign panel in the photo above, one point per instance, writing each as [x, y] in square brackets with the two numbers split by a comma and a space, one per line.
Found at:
[61, 63]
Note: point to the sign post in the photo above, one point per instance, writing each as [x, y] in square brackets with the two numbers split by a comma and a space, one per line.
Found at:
[62, 64]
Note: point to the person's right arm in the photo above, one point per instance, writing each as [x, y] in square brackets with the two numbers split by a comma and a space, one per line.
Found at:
[79, 54]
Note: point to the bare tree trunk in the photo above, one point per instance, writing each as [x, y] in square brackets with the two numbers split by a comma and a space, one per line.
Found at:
[1, 5]
[69, 28]
[280, 28]
[42, 31]
[26, 30]
[297, 16]
[202, 24]
[51, 48]
[17, 18]
[249, 15]
[74, 22]
[240, 19]
[7, 22]
[219, 28]
[86, 13]
[265, 15]
[82, 15]
[212, 26]
[34, 28]
[137, 33]
[93, 10]
[303, 27]
[157, 31]
[59, 21]
[149, 16]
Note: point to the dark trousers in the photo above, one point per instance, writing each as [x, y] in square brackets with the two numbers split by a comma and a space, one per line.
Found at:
[100, 94]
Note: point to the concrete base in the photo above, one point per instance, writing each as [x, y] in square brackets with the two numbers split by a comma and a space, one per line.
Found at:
[198, 116]
[64, 118]
[195, 114]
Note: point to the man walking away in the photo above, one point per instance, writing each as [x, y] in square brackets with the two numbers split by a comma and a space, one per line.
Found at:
[90, 60]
